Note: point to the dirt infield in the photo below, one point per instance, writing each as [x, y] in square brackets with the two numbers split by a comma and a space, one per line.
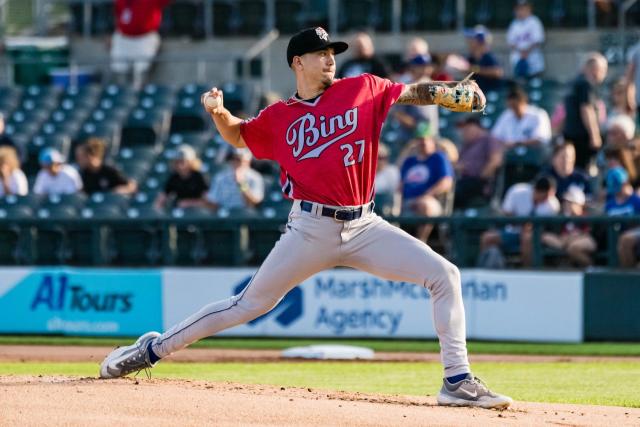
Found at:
[59, 400]
[50, 353]
[156, 402]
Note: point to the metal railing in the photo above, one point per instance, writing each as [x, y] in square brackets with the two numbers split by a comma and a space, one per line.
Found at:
[464, 231]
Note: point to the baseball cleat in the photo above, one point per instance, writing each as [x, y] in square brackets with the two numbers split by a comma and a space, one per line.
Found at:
[125, 360]
[471, 392]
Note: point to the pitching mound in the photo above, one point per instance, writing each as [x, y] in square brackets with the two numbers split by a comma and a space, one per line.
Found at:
[157, 402]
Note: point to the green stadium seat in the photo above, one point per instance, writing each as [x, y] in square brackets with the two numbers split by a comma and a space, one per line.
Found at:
[55, 201]
[522, 164]
[145, 128]
[51, 241]
[98, 201]
[14, 238]
[138, 243]
[189, 241]
[188, 115]
[30, 200]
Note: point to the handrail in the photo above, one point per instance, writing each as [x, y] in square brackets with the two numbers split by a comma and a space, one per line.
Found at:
[460, 229]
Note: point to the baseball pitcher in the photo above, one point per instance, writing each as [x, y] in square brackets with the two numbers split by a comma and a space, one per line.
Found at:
[325, 138]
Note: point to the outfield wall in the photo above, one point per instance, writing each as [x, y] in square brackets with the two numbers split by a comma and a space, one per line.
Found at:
[499, 305]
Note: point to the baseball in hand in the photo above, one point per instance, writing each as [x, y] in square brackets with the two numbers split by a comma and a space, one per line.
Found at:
[212, 101]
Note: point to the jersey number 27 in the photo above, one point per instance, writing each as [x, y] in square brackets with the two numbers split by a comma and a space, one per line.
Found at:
[349, 160]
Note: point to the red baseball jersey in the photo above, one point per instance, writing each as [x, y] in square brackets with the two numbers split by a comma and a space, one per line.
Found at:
[327, 149]
[138, 17]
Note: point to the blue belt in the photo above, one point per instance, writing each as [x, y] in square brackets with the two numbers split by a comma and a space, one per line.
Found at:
[340, 214]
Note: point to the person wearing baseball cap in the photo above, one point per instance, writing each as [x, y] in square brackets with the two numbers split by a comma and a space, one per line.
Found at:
[186, 185]
[623, 201]
[485, 65]
[56, 177]
[326, 141]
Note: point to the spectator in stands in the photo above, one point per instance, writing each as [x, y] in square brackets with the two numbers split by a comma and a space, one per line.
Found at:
[622, 201]
[5, 140]
[56, 177]
[480, 157]
[136, 41]
[186, 185]
[522, 123]
[98, 177]
[482, 62]
[574, 239]
[622, 101]
[364, 59]
[238, 186]
[563, 171]
[417, 46]
[12, 178]
[426, 177]
[620, 131]
[582, 106]
[387, 180]
[522, 199]
[409, 116]
[525, 37]
[632, 77]
[617, 156]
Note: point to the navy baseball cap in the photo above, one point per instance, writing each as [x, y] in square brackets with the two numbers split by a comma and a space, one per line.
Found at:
[312, 40]
[424, 59]
[479, 32]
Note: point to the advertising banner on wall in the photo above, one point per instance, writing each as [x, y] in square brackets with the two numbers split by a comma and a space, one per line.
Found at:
[80, 301]
[505, 305]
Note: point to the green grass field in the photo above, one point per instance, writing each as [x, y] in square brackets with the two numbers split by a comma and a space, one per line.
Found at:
[475, 347]
[593, 383]
[597, 383]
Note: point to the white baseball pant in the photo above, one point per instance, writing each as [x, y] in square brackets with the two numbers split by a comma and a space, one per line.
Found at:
[312, 243]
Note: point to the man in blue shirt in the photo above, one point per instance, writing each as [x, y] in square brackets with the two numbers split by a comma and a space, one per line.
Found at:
[487, 70]
[622, 201]
[426, 177]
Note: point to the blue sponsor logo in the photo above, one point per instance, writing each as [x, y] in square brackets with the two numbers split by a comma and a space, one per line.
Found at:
[288, 310]
[83, 301]
[58, 293]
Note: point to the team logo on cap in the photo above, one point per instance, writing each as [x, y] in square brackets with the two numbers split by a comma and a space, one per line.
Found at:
[322, 33]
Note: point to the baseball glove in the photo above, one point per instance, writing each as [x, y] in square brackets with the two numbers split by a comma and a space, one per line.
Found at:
[464, 97]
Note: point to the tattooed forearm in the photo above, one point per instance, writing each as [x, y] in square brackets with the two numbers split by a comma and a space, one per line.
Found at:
[421, 93]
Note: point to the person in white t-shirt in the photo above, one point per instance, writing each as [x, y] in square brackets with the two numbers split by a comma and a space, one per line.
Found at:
[12, 179]
[388, 179]
[525, 37]
[56, 177]
[523, 199]
[522, 123]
